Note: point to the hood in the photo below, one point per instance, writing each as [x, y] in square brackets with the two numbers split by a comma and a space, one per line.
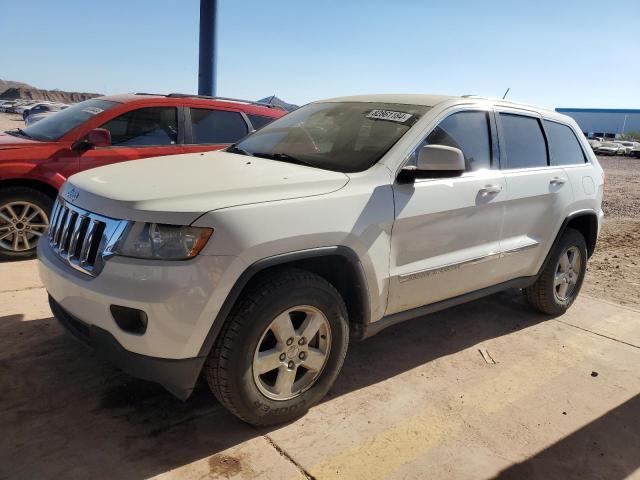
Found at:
[178, 189]
[10, 142]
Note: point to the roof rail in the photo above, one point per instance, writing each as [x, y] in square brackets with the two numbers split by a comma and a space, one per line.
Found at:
[225, 99]
[207, 97]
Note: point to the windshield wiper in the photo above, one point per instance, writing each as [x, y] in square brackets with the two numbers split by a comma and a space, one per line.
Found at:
[284, 157]
[235, 149]
[20, 132]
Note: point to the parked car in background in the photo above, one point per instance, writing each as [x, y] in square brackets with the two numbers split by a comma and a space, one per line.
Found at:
[21, 107]
[41, 108]
[628, 146]
[256, 266]
[594, 144]
[635, 151]
[35, 161]
[610, 148]
[7, 105]
[36, 117]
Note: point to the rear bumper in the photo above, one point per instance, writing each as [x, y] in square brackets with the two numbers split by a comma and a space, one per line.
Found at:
[177, 376]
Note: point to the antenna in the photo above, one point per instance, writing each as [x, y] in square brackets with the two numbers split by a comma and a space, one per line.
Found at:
[505, 93]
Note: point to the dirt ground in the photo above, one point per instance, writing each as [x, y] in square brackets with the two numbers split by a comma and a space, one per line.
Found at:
[9, 121]
[613, 273]
[489, 389]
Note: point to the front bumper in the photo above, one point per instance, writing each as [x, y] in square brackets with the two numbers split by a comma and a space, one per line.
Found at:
[177, 376]
[180, 301]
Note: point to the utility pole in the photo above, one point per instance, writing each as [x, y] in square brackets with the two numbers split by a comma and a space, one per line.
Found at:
[208, 57]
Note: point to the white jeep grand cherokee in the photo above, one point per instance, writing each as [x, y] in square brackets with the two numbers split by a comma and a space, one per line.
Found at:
[255, 266]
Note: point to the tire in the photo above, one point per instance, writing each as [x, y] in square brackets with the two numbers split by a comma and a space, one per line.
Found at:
[232, 371]
[545, 295]
[16, 199]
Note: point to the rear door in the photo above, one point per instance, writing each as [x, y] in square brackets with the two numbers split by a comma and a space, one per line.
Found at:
[139, 133]
[213, 128]
[537, 192]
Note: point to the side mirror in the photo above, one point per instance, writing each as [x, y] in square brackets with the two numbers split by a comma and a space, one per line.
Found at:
[436, 161]
[99, 137]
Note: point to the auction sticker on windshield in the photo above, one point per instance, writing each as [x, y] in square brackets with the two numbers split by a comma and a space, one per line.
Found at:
[390, 115]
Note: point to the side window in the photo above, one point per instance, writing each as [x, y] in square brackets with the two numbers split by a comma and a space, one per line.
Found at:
[524, 141]
[565, 148]
[468, 131]
[258, 121]
[144, 127]
[216, 126]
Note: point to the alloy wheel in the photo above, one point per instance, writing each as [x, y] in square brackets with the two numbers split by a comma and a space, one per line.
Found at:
[567, 273]
[21, 225]
[292, 353]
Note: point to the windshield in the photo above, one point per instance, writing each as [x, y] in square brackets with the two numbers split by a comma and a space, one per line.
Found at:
[344, 137]
[60, 123]
[611, 145]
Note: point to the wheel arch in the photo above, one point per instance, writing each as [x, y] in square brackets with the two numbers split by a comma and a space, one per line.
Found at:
[339, 265]
[44, 187]
[586, 222]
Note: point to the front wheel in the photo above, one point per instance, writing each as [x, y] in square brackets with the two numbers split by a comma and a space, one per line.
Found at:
[558, 285]
[281, 348]
[24, 218]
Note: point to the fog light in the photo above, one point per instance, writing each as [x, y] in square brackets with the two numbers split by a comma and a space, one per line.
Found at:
[131, 320]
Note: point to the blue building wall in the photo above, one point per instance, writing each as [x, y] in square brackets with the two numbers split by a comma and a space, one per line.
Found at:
[604, 121]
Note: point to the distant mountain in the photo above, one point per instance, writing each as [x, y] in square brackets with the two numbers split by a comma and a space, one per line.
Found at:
[15, 90]
[6, 84]
[273, 100]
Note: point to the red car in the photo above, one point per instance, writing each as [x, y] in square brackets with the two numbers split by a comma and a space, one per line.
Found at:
[35, 161]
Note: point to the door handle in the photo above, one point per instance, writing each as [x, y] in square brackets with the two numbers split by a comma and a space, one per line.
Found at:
[491, 189]
[557, 181]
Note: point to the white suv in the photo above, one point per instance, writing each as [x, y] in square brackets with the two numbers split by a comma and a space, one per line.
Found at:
[255, 266]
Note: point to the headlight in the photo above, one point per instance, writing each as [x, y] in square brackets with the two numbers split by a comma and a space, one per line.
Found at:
[160, 241]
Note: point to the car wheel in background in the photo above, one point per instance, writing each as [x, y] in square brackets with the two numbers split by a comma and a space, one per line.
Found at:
[24, 218]
[559, 283]
[280, 349]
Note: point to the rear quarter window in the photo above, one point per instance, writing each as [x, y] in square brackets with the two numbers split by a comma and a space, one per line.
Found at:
[563, 144]
[259, 121]
[216, 126]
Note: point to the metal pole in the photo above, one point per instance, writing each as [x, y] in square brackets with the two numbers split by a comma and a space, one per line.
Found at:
[207, 67]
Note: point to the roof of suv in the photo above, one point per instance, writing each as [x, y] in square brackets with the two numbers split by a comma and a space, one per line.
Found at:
[433, 100]
[403, 98]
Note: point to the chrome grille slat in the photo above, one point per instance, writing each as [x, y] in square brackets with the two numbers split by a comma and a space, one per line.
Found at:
[86, 245]
[82, 239]
[66, 230]
[75, 235]
[54, 219]
[63, 215]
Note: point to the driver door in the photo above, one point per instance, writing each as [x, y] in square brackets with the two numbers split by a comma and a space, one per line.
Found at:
[141, 133]
[446, 235]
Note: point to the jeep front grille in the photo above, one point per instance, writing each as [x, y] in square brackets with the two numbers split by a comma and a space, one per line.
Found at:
[80, 238]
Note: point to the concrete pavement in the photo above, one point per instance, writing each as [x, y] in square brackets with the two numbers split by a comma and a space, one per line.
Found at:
[488, 389]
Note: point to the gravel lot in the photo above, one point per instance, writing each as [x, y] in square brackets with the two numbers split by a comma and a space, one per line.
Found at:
[614, 270]
[9, 121]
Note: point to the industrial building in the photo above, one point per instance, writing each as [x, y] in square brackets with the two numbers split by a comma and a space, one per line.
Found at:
[604, 122]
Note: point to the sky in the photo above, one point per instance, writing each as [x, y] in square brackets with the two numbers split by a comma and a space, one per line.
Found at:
[550, 53]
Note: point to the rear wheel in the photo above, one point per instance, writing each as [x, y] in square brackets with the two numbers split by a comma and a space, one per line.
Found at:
[559, 283]
[281, 348]
[24, 218]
